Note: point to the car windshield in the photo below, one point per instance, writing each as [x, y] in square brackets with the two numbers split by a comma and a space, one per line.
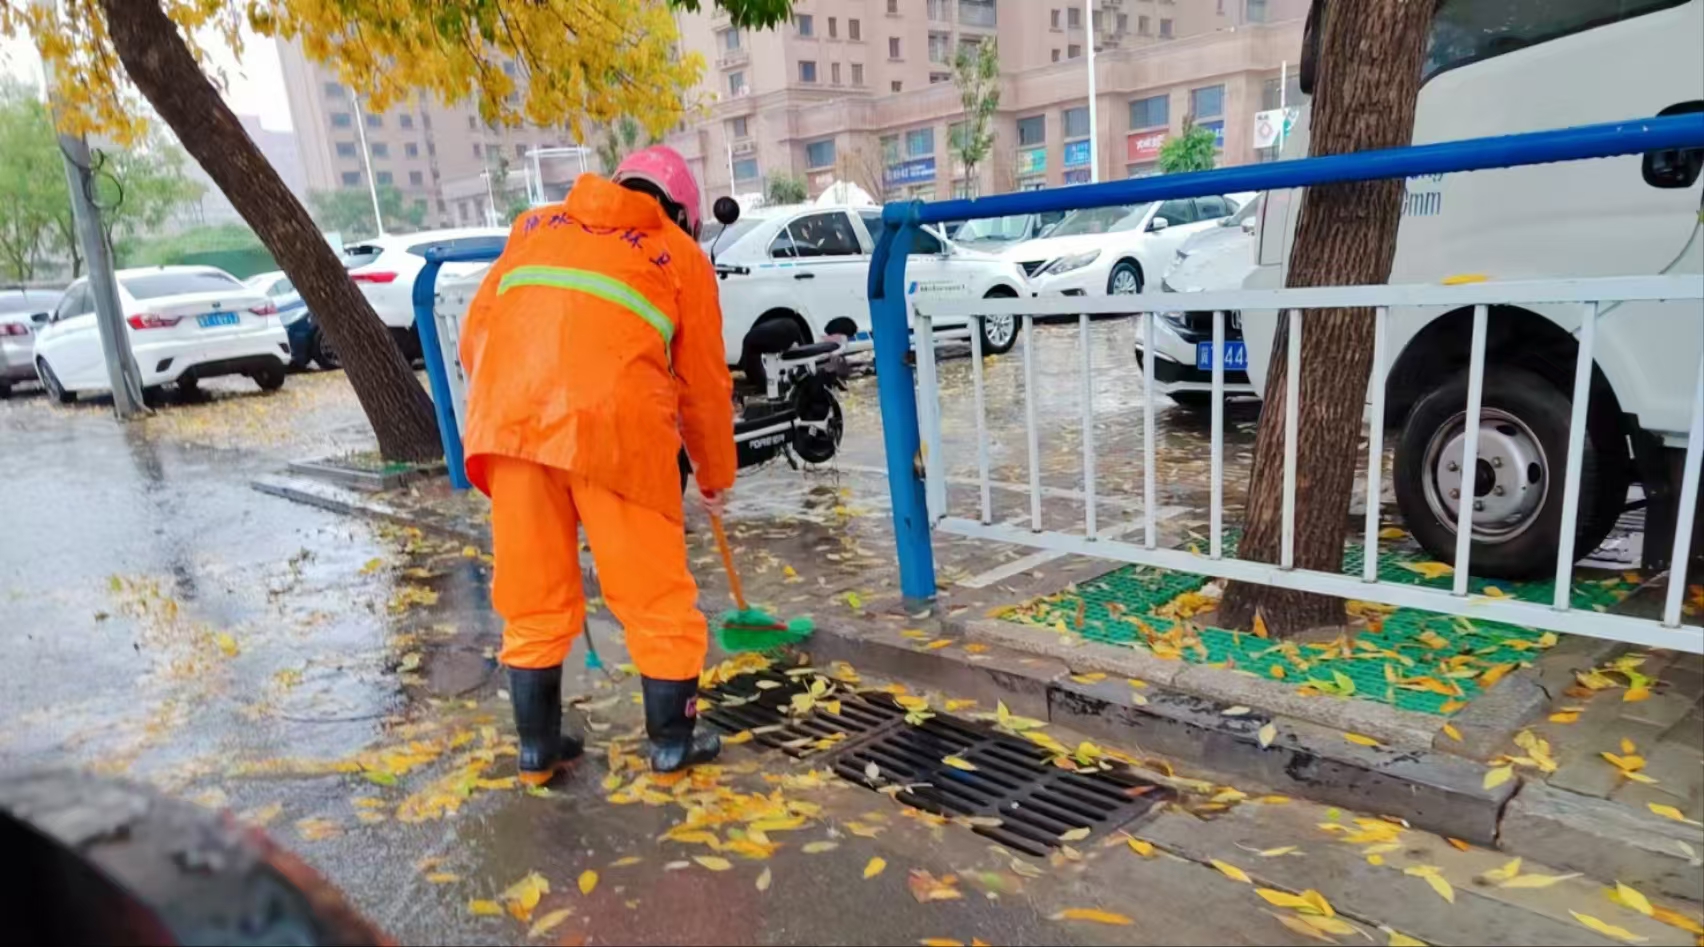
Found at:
[156, 285]
[712, 237]
[1116, 219]
[1002, 229]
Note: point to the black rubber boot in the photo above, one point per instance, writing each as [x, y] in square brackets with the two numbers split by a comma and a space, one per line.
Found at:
[536, 694]
[671, 714]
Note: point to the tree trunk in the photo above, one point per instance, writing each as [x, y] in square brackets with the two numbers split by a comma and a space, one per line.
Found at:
[1368, 78]
[161, 66]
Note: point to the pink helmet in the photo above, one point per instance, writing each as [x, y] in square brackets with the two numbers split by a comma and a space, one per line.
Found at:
[664, 168]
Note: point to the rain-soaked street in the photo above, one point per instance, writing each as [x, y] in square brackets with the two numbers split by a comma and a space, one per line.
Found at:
[332, 679]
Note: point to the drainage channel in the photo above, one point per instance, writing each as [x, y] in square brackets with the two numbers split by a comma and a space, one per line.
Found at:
[1008, 786]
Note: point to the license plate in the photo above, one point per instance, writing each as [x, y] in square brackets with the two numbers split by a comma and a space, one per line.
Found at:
[215, 319]
[1236, 356]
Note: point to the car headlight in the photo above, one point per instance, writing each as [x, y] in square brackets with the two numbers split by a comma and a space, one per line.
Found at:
[1075, 261]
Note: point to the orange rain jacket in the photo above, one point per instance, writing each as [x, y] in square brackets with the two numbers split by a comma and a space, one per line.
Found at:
[594, 345]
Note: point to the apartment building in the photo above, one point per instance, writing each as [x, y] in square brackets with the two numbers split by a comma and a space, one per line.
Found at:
[862, 90]
[443, 158]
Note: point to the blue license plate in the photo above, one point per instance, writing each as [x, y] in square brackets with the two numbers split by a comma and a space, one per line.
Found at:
[215, 319]
[1236, 356]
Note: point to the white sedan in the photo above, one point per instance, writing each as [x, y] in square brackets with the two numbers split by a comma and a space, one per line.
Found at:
[384, 269]
[803, 271]
[185, 323]
[1117, 250]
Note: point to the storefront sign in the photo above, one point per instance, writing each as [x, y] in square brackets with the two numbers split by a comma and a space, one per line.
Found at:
[1077, 154]
[911, 172]
[1218, 130]
[1032, 161]
[1272, 125]
[1145, 146]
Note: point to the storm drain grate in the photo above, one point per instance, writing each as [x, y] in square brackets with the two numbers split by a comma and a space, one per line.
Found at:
[1035, 803]
[757, 702]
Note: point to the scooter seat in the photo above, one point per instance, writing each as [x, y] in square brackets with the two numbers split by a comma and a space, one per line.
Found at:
[813, 349]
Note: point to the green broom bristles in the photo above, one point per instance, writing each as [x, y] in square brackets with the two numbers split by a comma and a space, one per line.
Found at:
[756, 630]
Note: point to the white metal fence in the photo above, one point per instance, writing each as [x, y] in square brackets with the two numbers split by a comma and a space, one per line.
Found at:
[1591, 294]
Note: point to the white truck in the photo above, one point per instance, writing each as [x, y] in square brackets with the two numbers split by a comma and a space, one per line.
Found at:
[1498, 67]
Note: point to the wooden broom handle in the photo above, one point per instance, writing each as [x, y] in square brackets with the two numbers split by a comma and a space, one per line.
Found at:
[728, 562]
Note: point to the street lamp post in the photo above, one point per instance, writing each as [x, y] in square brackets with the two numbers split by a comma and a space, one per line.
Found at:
[1094, 111]
[367, 162]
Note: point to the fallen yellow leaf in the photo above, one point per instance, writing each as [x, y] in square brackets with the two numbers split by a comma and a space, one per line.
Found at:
[1236, 711]
[588, 881]
[1564, 716]
[481, 908]
[1631, 696]
[1330, 925]
[1267, 734]
[713, 862]
[940, 942]
[1259, 627]
[1398, 939]
[1140, 847]
[957, 762]
[1669, 812]
[443, 877]
[1074, 835]
[1391, 532]
[1283, 899]
[1536, 881]
[1630, 897]
[1318, 903]
[815, 848]
[1091, 914]
[549, 922]
[1451, 732]
[1500, 875]
[1361, 740]
[1231, 871]
[764, 878]
[626, 862]
[1275, 852]
[1498, 775]
[1458, 844]
[1301, 927]
[1676, 919]
[875, 867]
[1437, 881]
[226, 643]
[1628, 746]
[1431, 570]
[1608, 930]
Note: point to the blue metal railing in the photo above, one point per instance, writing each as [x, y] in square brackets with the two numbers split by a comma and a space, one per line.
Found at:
[431, 349]
[889, 324]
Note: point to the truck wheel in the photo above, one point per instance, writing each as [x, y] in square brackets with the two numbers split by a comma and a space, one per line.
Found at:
[1517, 486]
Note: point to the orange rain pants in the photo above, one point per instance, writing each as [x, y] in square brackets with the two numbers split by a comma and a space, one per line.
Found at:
[593, 351]
[536, 512]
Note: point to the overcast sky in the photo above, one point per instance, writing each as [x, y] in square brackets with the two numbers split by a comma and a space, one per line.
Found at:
[256, 83]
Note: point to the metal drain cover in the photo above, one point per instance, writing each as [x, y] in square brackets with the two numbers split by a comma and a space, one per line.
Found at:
[758, 702]
[1014, 781]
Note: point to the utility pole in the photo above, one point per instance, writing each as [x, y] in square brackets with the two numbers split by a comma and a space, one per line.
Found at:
[367, 162]
[1094, 111]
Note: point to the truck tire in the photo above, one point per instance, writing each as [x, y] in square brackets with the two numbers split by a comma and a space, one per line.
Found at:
[1523, 450]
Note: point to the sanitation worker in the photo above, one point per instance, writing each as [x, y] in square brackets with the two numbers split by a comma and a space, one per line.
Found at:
[594, 349]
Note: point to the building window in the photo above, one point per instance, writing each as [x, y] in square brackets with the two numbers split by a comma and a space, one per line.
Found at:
[351, 178]
[461, 211]
[340, 120]
[1032, 130]
[1123, 23]
[1207, 102]
[1293, 96]
[1165, 29]
[333, 90]
[805, 24]
[854, 30]
[382, 177]
[416, 178]
[940, 47]
[405, 120]
[858, 73]
[442, 207]
[1074, 18]
[730, 40]
[1151, 112]
[807, 71]
[920, 143]
[890, 149]
[1256, 11]
[834, 73]
[736, 83]
[819, 154]
[380, 149]
[936, 78]
[346, 149]
[896, 85]
[745, 169]
[478, 152]
[979, 13]
[375, 121]
[893, 7]
[472, 123]
[431, 148]
[893, 47]
[833, 28]
[1144, 26]
[1073, 51]
[1054, 19]
[740, 127]
[520, 151]
[1076, 123]
[410, 150]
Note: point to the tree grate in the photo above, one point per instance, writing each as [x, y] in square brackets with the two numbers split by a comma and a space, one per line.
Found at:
[1014, 795]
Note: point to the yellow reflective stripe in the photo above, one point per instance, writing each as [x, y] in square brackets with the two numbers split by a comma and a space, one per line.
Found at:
[592, 284]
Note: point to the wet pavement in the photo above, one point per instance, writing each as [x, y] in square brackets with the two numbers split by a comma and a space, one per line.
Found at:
[333, 679]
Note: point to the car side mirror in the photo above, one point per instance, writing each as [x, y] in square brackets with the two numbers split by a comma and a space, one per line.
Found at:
[726, 210]
[1248, 226]
[1158, 224]
[39, 318]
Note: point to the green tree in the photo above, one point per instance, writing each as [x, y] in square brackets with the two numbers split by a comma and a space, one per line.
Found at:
[32, 182]
[586, 62]
[977, 75]
[783, 188]
[1194, 150]
[349, 211]
[139, 190]
[620, 139]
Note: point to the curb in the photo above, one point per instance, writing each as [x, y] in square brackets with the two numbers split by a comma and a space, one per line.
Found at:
[1605, 840]
[353, 502]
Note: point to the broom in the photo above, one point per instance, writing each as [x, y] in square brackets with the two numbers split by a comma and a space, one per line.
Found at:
[746, 628]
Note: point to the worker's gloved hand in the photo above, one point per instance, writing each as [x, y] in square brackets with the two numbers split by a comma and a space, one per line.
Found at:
[715, 501]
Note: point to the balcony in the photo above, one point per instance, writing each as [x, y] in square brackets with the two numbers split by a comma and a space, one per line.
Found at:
[938, 11]
[978, 13]
[733, 57]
